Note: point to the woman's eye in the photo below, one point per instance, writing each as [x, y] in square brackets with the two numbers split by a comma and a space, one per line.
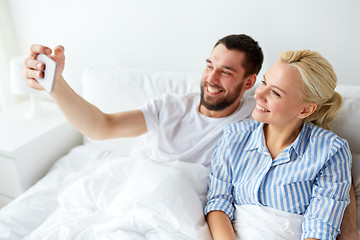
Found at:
[263, 82]
[276, 93]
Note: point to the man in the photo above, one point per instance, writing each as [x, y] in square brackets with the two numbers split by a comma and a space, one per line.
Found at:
[187, 127]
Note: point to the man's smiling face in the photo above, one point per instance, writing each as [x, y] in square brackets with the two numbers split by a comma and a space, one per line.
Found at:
[223, 79]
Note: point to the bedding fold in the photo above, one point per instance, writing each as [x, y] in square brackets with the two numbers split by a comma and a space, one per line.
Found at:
[265, 223]
[130, 198]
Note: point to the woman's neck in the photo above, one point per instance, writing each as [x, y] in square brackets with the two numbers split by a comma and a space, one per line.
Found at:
[278, 138]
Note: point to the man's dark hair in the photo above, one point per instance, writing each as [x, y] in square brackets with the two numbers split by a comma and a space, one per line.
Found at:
[244, 43]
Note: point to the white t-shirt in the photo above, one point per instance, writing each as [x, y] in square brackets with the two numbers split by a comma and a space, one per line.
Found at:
[178, 131]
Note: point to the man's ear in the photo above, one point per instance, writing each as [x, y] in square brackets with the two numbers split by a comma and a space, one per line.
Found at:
[249, 81]
[308, 109]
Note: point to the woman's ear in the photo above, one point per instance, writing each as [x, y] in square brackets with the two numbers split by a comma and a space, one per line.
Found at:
[308, 110]
[249, 81]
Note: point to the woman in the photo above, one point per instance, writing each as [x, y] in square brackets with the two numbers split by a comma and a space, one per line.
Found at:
[283, 176]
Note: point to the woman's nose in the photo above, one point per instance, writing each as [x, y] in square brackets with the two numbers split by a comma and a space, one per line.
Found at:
[260, 93]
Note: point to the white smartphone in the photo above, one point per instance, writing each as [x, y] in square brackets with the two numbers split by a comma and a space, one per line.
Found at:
[49, 72]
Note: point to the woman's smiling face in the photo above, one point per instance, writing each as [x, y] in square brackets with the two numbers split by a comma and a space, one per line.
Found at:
[278, 98]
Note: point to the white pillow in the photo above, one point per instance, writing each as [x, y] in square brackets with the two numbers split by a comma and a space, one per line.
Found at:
[114, 89]
[356, 182]
[347, 123]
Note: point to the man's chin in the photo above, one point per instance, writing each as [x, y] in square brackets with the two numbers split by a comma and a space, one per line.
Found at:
[214, 106]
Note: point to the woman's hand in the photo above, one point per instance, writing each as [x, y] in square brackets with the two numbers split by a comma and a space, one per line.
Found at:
[220, 226]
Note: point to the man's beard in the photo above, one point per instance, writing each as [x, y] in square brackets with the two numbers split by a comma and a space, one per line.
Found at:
[222, 103]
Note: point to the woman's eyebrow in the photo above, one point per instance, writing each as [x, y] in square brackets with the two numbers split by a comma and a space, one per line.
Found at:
[274, 85]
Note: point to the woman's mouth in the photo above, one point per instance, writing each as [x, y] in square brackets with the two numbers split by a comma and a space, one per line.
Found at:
[262, 109]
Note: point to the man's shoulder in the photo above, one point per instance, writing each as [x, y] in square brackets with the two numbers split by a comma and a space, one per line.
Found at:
[174, 100]
[245, 109]
[181, 98]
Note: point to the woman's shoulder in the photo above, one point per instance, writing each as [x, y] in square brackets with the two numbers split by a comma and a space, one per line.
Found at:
[319, 132]
[326, 137]
[244, 126]
[240, 132]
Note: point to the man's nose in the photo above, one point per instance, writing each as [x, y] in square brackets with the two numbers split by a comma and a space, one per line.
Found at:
[213, 77]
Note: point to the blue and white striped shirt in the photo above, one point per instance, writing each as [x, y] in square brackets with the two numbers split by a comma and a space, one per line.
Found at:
[311, 177]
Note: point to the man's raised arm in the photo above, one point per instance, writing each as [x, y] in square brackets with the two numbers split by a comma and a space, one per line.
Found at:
[84, 116]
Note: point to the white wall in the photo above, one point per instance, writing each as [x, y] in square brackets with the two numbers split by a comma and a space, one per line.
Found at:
[179, 35]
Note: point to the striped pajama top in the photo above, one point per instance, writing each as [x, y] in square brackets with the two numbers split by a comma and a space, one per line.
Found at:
[311, 177]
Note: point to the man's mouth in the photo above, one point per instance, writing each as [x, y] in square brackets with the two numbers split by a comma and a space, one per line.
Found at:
[261, 108]
[213, 90]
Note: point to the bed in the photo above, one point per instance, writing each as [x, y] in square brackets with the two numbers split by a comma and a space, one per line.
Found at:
[98, 191]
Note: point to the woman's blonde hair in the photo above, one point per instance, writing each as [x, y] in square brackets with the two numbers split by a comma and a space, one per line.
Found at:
[319, 82]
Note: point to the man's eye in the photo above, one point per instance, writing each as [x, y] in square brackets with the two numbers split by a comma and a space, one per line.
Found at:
[226, 73]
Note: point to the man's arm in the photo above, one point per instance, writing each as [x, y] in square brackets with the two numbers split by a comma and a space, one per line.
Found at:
[348, 226]
[84, 116]
[220, 226]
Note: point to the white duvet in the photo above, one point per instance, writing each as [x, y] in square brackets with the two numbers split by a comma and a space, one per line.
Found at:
[93, 194]
[129, 198]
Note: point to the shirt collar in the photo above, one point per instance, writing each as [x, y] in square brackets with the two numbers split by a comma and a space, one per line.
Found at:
[298, 147]
[300, 143]
[257, 140]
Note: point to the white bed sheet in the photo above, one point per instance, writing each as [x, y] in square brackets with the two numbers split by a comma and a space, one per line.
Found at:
[92, 193]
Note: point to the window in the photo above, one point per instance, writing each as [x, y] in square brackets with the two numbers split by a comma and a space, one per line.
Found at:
[8, 49]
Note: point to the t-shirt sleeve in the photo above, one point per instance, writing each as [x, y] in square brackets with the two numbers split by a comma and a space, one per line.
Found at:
[151, 111]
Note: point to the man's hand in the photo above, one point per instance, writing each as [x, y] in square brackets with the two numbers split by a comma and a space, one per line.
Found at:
[34, 68]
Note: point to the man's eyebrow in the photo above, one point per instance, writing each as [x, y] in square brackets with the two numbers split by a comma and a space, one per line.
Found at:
[230, 68]
[224, 66]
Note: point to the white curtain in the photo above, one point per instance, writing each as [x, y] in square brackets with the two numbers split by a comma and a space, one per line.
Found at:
[8, 50]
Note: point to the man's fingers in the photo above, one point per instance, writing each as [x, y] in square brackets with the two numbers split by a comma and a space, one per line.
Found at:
[33, 64]
[59, 50]
[31, 74]
[33, 69]
[59, 56]
[36, 49]
[34, 84]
